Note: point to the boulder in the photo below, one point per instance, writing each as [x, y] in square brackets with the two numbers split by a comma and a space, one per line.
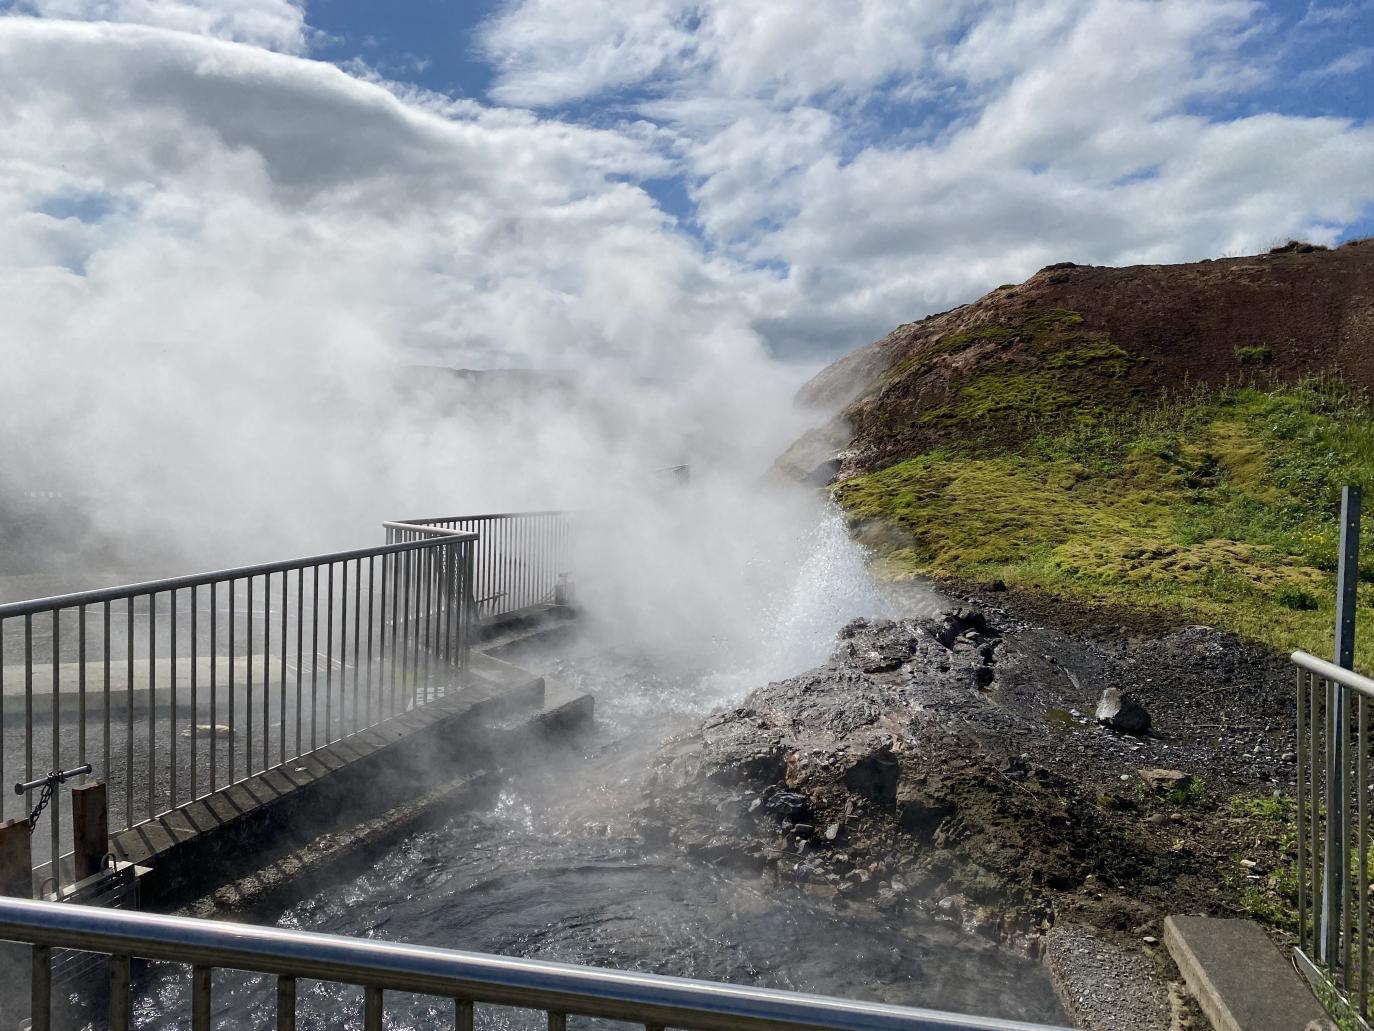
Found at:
[1119, 711]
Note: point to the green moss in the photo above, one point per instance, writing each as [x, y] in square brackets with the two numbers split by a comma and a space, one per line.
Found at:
[1261, 808]
[1191, 793]
[1217, 507]
[1256, 355]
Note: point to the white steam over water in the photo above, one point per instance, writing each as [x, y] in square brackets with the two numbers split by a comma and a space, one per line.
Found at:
[234, 281]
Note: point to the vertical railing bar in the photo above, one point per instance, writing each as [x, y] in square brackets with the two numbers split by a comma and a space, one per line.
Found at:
[172, 709]
[418, 618]
[214, 686]
[427, 564]
[343, 645]
[286, 1003]
[105, 770]
[469, 608]
[450, 597]
[152, 704]
[40, 987]
[248, 685]
[372, 1008]
[28, 696]
[4, 793]
[54, 828]
[329, 655]
[314, 655]
[201, 981]
[121, 979]
[462, 1015]
[81, 687]
[1347, 825]
[1362, 842]
[300, 657]
[371, 600]
[281, 673]
[129, 715]
[233, 676]
[396, 559]
[195, 696]
[405, 636]
[357, 639]
[1301, 792]
[1319, 815]
[558, 1021]
[267, 669]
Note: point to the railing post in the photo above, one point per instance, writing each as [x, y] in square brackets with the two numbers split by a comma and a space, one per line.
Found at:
[200, 997]
[90, 828]
[40, 989]
[16, 879]
[372, 1008]
[1334, 890]
[286, 1003]
[121, 983]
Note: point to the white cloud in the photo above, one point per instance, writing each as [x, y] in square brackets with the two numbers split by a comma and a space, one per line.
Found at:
[275, 24]
[266, 240]
[895, 158]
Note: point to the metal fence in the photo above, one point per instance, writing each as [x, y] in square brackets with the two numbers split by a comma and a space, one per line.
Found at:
[1333, 844]
[520, 559]
[175, 688]
[467, 978]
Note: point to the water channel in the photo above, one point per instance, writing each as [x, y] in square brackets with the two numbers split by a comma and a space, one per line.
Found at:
[554, 871]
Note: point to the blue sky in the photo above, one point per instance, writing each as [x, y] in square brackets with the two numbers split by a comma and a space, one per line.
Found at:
[1317, 59]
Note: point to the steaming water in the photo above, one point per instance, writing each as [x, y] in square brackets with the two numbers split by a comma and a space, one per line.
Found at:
[554, 869]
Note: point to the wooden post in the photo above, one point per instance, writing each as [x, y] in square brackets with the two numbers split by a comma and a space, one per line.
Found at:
[90, 828]
[16, 862]
[16, 880]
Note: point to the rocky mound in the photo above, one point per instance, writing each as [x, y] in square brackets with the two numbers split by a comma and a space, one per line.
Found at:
[956, 765]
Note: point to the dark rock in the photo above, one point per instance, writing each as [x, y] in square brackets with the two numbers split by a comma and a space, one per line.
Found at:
[874, 777]
[1119, 711]
[790, 805]
[959, 622]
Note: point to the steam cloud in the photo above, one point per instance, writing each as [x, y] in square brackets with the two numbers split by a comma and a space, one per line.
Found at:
[225, 266]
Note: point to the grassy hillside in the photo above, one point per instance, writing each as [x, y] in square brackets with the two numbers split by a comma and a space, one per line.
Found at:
[1212, 505]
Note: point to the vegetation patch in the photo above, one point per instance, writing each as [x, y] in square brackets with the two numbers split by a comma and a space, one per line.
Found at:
[1256, 355]
[1214, 506]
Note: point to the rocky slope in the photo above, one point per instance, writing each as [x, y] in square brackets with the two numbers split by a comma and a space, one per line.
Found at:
[1076, 335]
[955, 765]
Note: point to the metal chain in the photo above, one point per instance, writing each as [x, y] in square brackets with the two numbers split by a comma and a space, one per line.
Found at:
[43, 799]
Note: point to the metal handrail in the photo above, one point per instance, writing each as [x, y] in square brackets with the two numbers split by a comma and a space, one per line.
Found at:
[467, 977]
[520, 559]
[134, 667]
[1334, 674]
[1332, 823]
[177, 583]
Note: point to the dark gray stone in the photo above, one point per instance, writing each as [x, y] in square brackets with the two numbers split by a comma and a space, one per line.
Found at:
[1119, 711]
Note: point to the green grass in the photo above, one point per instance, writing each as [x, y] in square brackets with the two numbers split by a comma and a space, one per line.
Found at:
[1211, 507]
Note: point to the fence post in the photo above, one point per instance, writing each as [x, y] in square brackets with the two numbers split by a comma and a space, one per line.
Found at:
[1334, 892]
[16, 879]
[90, 829]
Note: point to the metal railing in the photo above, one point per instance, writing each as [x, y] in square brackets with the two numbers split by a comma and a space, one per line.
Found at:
[1333, 785]
[467, 978]
[520, 559]
[182, 686]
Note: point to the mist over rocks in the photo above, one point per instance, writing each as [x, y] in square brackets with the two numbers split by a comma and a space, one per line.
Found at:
[951, 764]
